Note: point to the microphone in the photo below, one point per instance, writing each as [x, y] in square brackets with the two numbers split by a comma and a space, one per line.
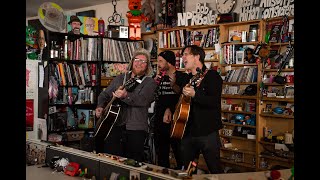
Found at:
[161, 74]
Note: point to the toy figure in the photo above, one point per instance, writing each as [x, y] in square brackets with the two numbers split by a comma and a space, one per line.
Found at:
[31, 37]
[135, 16]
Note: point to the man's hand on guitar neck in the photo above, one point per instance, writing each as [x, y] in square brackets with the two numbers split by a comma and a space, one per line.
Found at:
[188, 91]
[167, 117]
[99, 111]
[120, 93]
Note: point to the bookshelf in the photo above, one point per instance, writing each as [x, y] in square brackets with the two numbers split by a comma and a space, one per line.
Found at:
[276, 128]
[234, 101]
[75, 82]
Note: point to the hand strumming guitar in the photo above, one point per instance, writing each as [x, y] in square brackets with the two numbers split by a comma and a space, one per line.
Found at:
[167, 117]
[99, 111]
[188, 91]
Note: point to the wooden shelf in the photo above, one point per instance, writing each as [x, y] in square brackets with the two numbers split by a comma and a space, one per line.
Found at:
[173, 48]
[237, 112]
[233, 124]
[276, 84]
[224, 160]
[241, 23]
[239, 83]
[276, 70]
[189, 27]
[240, 138]
[282, 44]
[238, 96]
[276, 116]
[278, 99]
[238, 150]
[208, 48]
[211, 60]
[148, 33]
[277, 158]
[240, 43]
[268, 143]
[239, 65]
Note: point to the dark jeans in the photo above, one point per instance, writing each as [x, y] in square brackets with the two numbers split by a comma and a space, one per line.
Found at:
[126, 143]
[208, 145]
[163, 143]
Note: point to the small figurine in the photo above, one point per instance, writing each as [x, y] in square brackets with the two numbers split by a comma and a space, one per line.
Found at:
[135, 17]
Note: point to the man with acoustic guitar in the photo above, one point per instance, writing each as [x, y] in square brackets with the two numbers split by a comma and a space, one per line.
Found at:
[201, 134]
[169, 89]
[129, 130]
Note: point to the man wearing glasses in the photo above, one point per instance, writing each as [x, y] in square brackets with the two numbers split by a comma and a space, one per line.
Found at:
[90, 25]
[129, 132]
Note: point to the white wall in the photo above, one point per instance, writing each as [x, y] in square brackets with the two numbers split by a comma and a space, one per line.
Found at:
[106, 10]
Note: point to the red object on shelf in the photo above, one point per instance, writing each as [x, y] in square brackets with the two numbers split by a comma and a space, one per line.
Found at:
[101, 27]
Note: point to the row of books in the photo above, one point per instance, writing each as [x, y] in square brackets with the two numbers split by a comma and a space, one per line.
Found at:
[119, 51]
[248, 74]
[229, 54]
[74, 74]
[73, 95]
[84, 49]
[182, 38]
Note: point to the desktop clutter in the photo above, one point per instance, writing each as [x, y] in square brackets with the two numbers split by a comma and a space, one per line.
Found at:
[63, 165]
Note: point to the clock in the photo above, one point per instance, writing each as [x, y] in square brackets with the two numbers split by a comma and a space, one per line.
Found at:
[225, 6]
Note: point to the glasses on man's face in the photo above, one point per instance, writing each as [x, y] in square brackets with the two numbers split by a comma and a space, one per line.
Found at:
[89, 25]
[140, 61]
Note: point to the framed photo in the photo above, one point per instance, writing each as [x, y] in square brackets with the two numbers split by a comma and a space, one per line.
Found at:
[124, 32]
[239, 57]
[289, 91]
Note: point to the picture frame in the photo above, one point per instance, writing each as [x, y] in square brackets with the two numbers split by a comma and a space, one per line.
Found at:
[239, 57]
[123, 32]
[289, 91]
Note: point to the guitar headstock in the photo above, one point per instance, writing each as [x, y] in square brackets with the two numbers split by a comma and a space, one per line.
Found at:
[196, 76]
[132, 83]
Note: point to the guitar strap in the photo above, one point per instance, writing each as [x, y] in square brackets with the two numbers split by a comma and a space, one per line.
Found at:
[129, 74]
[201, 77]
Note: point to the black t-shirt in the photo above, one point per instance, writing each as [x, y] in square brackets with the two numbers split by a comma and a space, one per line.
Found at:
[166, 97]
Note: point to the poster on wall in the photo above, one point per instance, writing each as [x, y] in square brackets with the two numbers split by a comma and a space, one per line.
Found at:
[31, 78]
[82, 25]
[41, 129]
[29, 115]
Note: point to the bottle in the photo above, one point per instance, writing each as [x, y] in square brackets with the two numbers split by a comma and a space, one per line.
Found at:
[101, 27]
[65, 47]
[52, 50]
[91, 119]
[57, 51]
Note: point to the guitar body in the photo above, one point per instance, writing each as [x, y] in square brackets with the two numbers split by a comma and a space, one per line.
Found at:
[180, 117]
[181, 114]
[106, 123]
[110, 113]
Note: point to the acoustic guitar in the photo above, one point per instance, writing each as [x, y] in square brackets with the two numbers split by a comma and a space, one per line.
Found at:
[111, 111]
[181, 113]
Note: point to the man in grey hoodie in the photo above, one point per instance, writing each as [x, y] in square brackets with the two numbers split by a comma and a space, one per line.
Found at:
[129, 132]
